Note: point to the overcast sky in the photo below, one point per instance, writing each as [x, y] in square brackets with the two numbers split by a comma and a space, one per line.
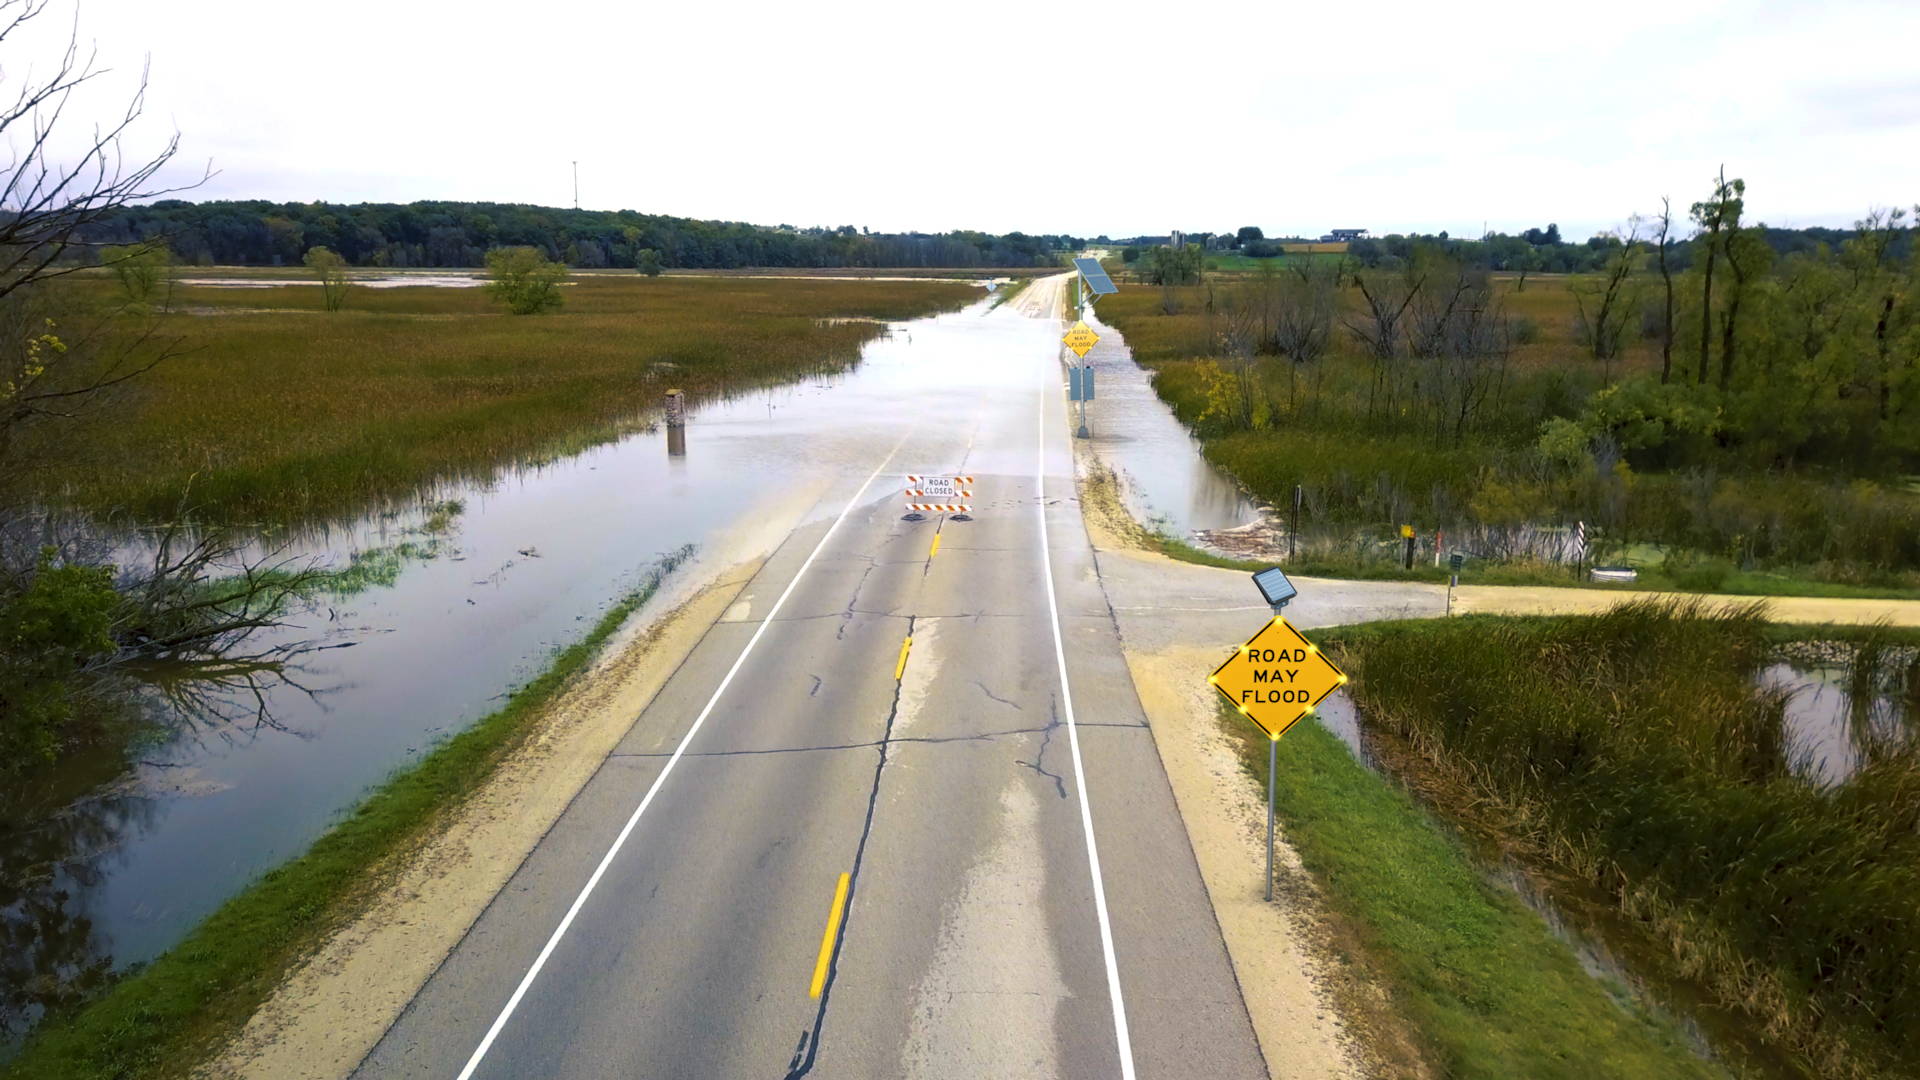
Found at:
[1044, 117]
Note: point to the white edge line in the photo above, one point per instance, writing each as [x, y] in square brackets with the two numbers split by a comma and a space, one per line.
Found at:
[500, 1022]
[1079, 772]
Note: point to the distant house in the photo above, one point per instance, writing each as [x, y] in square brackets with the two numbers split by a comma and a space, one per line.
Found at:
[1342, 236]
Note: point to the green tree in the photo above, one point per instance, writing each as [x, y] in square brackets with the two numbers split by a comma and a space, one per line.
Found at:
[647, 261]
[525, 280]
[331, 269]
[1712, 217]
[141, 270]
[1247, 233]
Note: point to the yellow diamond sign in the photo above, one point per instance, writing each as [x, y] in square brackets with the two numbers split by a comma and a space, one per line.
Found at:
[1277, 677]
[1081, 339]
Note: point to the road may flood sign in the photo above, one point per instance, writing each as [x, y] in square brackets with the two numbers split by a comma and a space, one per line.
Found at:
[1081, 339]
[1277, 677]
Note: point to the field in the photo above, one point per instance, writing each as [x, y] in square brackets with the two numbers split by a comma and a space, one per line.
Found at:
[276, 411]
[1294, 253]
[1633, 764]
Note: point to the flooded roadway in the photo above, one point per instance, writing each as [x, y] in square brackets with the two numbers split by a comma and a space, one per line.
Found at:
[524, 568]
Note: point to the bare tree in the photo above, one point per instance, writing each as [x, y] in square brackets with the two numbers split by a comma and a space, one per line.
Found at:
[1666, 280]
[1303, 321]
[1605, 325]
[48, 203]
[1387, 296]
[49, 207]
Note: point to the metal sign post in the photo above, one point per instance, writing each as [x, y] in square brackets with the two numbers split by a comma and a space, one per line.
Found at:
[1274, 680]
[1081, 339]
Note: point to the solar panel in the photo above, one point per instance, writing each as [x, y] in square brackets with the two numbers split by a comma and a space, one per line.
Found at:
[1274, 586]
[1096, 276]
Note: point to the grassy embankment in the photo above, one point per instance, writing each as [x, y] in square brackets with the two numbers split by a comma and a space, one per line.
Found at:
[1366, 472]
[276, 411]
[169, 1014]
[1629, 763]
[1487, 988]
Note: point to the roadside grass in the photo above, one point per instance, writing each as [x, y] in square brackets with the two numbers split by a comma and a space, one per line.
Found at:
[168, 1015]
[1631, 760]
[277, 412]
[1488, 988]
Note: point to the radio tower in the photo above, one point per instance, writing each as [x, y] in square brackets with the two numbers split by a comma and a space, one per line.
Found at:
[576, 185]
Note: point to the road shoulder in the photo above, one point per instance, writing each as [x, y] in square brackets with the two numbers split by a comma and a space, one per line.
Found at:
[1280, 953]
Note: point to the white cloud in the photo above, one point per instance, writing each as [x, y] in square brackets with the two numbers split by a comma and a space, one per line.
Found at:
[1120, 118]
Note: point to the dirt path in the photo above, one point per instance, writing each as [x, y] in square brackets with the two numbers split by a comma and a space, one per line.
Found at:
[1539, 600]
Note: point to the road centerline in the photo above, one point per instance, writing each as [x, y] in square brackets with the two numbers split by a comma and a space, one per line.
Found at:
[619, 841]
[832, 934]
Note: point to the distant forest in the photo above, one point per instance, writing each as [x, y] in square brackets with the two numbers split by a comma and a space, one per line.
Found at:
[449, 234]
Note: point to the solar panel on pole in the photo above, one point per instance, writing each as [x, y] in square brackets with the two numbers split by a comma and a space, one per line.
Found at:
[1095, 276]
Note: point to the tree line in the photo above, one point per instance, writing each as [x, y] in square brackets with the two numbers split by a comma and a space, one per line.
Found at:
[1535, 250]
[459, 234]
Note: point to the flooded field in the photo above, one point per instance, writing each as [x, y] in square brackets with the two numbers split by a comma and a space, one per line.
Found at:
[464, 597]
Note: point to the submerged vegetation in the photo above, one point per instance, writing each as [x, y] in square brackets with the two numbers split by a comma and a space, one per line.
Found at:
[1735, 411]
[1638, 755]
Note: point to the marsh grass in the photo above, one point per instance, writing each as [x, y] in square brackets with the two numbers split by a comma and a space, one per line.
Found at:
[1635, 752]
[1488, 988]
[1363, 467]
[279, 412]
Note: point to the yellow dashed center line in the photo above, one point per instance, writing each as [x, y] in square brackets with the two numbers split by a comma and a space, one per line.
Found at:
[833, 927]
[936, 546]
[900, 667]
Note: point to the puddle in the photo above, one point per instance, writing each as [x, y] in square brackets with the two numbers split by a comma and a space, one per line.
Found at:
[1164, 480]
[1828, 733]
[525, 566]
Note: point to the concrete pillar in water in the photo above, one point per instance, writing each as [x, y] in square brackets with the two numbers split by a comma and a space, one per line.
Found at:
[676, 423]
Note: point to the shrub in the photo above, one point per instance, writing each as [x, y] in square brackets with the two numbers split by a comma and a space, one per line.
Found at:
[55, 623]
[525, 280]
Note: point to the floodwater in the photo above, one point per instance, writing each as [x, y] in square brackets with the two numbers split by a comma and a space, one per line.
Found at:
[392, 281]
[1163, 479]
[526, 566]
[479, 605]
[1828, 737]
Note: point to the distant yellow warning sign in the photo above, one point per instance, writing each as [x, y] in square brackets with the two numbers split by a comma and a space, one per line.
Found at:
[1277, 677]
[1081, 339]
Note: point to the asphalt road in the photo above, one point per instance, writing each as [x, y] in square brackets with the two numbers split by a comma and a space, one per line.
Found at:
[1020, 896]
